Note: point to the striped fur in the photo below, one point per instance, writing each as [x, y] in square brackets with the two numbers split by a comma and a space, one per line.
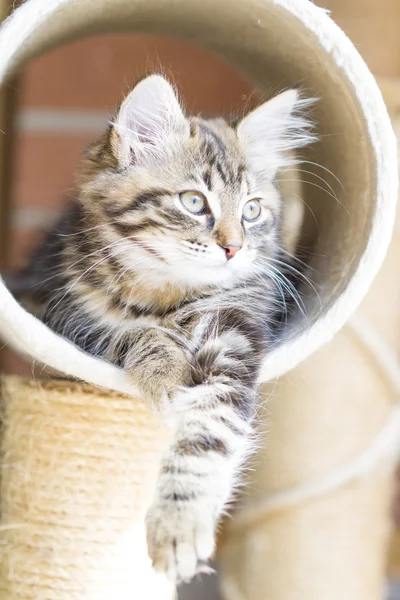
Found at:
[132, 275]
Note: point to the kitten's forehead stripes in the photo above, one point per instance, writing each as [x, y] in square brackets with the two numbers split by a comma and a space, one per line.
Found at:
[212, 142]
[222, 173]
[214, 150]
[207, 178]
[219, 158]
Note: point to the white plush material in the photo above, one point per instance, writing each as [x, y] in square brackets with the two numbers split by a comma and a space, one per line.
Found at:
[269, 41]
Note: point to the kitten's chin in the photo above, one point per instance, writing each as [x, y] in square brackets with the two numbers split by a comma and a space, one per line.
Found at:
[200, 275]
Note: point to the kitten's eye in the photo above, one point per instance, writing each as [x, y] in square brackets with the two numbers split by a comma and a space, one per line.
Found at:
[252, 210]
[194, 202]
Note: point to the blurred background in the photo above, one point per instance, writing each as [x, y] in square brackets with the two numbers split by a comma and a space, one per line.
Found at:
[62, 100]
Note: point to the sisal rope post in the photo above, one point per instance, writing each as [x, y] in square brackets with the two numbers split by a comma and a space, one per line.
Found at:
[78, 468]
[325, 543]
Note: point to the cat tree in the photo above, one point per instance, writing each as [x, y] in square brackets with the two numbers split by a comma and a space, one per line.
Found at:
[79, 462]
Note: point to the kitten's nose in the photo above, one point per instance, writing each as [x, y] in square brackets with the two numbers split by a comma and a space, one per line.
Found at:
[231, 250]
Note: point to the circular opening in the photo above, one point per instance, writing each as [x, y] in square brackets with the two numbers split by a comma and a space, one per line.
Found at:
[273, 49]
[65, 100]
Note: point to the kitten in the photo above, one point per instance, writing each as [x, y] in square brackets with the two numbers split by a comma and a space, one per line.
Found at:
[168, 267]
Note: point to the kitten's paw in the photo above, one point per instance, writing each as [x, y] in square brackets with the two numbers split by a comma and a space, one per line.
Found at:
[159, 384]
[180, 539]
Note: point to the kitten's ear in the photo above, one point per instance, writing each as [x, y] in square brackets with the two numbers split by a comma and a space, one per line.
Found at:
[270, 131]
[149, 122]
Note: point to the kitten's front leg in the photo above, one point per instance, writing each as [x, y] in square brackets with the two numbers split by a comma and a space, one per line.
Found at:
[212, 438]
[155, 360]
[195, 483]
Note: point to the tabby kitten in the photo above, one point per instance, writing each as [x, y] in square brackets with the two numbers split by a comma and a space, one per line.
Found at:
[167, 267]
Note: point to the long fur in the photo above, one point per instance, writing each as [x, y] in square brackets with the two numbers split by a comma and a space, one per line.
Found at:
[132, 275]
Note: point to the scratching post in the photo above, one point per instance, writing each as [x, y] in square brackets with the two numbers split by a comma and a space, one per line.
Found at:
[78, 469]
[273, 43]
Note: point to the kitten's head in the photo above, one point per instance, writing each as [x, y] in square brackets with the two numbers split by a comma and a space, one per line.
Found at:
[187, 199]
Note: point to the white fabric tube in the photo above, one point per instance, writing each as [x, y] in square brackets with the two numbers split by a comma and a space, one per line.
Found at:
[268, 40]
